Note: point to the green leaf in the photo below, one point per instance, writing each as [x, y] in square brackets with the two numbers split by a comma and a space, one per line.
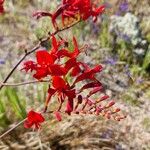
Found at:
[15, 102]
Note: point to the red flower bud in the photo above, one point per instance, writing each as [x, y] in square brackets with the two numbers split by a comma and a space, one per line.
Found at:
[58, 115]
[111, 103]
[69, 106]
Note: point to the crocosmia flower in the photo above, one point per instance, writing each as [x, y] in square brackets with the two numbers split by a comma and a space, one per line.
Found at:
[34, 120]
[73, 10]
[73, 84]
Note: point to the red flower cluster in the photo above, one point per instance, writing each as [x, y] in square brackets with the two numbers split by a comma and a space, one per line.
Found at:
[74, 9]
[1, 6]
[48, 63]
[68, 76]
[34, 120]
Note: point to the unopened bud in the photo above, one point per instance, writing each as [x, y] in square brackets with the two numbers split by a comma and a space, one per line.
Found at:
[111, 103]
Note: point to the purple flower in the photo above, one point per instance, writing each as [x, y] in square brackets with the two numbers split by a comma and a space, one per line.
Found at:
[122, 36]
[111, 61]
[126, 37]
[95, 28]
[2, 61]
[127, 71]
[139, 80]
[123, 7]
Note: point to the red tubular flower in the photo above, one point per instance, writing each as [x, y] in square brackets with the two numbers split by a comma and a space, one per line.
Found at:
[69, 106]
[104, 98]
[88, 74]
[91, 85]
[95, 90]
[1, 6]
[34, 120]
[71, 63]
[110, 104]
[51, 92]
[62, 89]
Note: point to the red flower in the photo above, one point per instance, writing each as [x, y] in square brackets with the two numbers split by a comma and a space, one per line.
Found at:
[64, 76]
[88, 74]
[1, 6]
[45, 65]
[83, 8]
[34, 119]
[66, 53]
[75, 9]
[59, 84]
[62, 89]
[29, 66]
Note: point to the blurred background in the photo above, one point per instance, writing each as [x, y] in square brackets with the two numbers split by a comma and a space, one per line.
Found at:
[119, 40]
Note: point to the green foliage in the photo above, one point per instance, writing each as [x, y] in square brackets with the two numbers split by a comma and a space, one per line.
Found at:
[15, 102]
[146, 62]
[11, 107]
[104, 37]
[148, 37]
[131, 100]
[4, 121]
[137, 70]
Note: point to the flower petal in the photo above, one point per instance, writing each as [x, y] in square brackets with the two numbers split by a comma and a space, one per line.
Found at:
[44, 58]
[33, 118]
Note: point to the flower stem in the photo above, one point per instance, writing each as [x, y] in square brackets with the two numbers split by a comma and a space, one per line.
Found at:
[24, 83]
[8, 131]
